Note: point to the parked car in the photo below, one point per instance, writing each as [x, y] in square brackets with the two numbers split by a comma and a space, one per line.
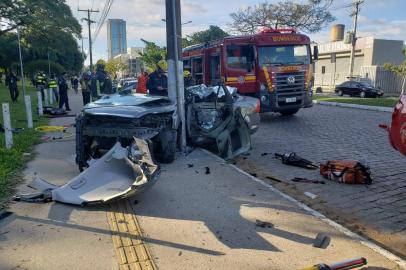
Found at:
[361, 89]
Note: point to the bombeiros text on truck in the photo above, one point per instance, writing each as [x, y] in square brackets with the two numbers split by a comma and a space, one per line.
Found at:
[275, 65]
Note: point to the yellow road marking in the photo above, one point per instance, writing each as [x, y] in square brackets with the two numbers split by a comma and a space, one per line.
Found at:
[131, 250]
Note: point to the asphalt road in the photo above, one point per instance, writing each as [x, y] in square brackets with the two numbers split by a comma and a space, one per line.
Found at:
[324, 133]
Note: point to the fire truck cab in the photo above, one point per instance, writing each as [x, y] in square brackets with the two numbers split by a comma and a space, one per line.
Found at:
[274, 66]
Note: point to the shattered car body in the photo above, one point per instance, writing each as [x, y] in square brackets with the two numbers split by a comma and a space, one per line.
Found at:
[214, 118]
[120, 173]
[120, 118]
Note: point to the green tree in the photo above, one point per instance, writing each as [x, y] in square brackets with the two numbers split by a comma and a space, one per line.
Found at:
[213, 33]
[113, 66]
[398, 69]
[37, 15]
[309, 17]
[101, 62]
[153, 54]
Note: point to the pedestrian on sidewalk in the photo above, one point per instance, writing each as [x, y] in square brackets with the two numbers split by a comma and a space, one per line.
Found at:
[75, 84]
[63, 92]
[52, 84]
[11, 82]
[40, 81]
[142, 83]
[85, 87]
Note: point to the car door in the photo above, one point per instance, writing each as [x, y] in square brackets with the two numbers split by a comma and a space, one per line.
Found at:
[344, 87]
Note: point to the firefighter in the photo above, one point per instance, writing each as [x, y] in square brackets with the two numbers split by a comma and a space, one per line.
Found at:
[40, 81]
[11, 82]
[142, 83]
[158, 82]
[52, 84]
[188, 79]
[63, 92]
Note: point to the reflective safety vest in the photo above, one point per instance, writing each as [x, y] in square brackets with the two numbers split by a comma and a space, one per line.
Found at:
[40, 79]
[52, 84]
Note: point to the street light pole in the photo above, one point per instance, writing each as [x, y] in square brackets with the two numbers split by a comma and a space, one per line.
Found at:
[21, 62]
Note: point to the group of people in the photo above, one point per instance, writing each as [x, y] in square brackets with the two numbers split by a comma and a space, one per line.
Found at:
[59, 87]
[155, 83]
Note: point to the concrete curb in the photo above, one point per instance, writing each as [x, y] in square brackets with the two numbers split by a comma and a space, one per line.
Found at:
[356, 237]
[354, 106]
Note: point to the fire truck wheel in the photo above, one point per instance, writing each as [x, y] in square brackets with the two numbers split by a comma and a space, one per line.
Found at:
[289, 112]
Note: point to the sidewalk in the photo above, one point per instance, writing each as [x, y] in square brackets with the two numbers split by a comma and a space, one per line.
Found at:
[193, 218]
[53, 235]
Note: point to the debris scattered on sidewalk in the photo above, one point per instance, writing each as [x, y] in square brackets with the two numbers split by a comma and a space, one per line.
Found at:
[120, 173]
[207, 170]
[310, 195]
[190, 165]
[345, 265]
[264, 154]
[196, 171]
[4, 214]
[305, 180]
[295, 160]
[321, 241]
[253, 174]
[253, 195]
[180, 253]
[273, 179]
[346, 171]
[263, 224]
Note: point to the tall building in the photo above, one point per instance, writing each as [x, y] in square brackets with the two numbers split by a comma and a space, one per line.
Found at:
[116, 37]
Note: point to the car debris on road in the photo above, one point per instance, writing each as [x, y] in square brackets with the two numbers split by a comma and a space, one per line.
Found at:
[294, 160]
[120, 173]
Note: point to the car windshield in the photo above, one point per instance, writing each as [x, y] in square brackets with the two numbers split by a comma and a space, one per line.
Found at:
[284, 55]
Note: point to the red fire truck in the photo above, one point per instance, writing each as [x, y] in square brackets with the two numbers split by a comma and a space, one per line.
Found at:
[274, 65]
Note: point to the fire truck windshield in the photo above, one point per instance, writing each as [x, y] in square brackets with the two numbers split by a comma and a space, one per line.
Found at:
[284, 55]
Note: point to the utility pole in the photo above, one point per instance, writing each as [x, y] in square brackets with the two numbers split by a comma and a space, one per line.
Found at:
[89, 22]
[356, 5]
[175, 65]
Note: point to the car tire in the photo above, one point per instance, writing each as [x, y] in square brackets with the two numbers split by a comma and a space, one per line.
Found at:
[340, 93]
[363, 94]
[168, 143]
[289, 112]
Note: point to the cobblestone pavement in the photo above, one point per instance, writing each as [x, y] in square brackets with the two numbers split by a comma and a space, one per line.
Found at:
[322, 133]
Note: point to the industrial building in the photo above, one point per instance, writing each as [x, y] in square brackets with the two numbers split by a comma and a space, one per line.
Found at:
[116, 37]
[332, 68]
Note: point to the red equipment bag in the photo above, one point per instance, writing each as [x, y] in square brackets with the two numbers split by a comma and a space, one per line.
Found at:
[346, 171]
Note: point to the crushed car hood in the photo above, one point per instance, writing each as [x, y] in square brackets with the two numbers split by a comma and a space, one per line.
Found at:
[120, 173]
[135, 105]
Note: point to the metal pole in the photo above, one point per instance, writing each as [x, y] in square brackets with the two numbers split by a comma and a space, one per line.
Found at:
[49, 66]
[21, 63]
[8, 133]
[90, 41]
[354, 38]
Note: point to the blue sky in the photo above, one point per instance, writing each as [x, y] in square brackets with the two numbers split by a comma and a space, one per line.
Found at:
[380, 18]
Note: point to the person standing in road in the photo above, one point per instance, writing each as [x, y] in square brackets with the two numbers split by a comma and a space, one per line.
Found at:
[84, 85]
[40, 81]
[11, 82]
[142, 83]
[52, 84]
[158, 83]
[63, 92]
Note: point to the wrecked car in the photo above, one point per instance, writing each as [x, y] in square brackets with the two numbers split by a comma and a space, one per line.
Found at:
[122, 172]
[213, 114]
[120, 118]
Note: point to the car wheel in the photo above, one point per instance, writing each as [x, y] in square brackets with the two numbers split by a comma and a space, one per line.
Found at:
[289, 112]
[340, 93]
[167, 147]
[363, 94]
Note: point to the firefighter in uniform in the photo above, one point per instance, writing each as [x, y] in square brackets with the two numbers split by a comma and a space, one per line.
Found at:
[52, 84]
[40, 81]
